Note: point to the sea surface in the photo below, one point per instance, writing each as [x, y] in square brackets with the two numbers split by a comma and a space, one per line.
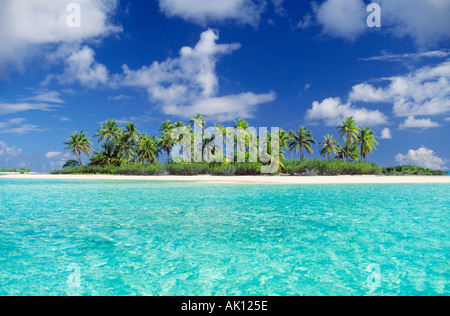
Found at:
[62, 237]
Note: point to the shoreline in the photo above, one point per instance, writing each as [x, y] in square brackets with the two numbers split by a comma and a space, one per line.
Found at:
[245, 179]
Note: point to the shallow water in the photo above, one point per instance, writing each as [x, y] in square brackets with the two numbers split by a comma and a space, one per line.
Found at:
[161, 238]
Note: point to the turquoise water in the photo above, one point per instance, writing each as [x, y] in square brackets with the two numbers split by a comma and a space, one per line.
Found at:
[146, 238]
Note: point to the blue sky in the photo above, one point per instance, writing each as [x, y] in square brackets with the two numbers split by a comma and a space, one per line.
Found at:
[276, 63]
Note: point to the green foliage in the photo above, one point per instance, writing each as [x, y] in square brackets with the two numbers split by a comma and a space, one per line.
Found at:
[71, 164]
[248, 169]
[187, 169]
[223, 169]
[128, 170]
[330, 167]
[411, 170]
[22, 170]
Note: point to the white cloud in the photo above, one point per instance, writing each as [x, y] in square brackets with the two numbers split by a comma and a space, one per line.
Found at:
[400, 57]
[39, 27]
[424, 21]
[425, 91]
[57, 159]
[81, 66]
[422, 157]
[307, 86]
[22, 129]
[52, 154]
[386, 134]
[305, 22]
[203, 11]
[412, 122]
[17, 121]
[342, 18]
[278, 7]
[6, 152]
[10, 108]
[16, 126]
[41, 101]
[119, 98]
[224, 108]
[332, 112]
[46, 96]
[190, 83]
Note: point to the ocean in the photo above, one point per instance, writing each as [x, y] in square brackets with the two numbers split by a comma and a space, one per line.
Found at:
[61, 237]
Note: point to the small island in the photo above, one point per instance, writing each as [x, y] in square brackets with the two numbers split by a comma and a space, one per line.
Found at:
[133, 153]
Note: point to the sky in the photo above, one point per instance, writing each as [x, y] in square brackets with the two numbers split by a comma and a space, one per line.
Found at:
[70, 65]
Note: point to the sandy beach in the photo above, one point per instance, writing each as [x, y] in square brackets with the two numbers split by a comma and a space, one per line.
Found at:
[245, 179]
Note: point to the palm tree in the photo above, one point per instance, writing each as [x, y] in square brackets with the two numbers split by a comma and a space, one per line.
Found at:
[179, 124]
[109, 130]
[147, 149]
[79, 143]
[166, 143]
[302, 139]
[131, 131]
[241, 123]
[347, 151]
[328, 145]
[198, 117]
[109, 155]
[349, 130]
[166, 127]
[291, 136]
[125, 146]
[284, 138]
[367, 142]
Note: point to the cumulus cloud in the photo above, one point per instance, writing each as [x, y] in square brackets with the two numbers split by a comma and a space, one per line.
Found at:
[30, 28]
[7, 152]
[412, 122]
[422, 92]
[422, 157]
[81, 66]
[57, 159]
[342, 18]
[426, 22]
[386, 134]
[224, 108]
[333, 111]
[203, 11]
[189, 84]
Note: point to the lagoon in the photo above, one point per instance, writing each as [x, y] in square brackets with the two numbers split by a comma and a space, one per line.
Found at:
[178, 238]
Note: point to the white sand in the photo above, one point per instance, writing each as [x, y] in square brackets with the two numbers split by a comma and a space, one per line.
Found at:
[245, 179]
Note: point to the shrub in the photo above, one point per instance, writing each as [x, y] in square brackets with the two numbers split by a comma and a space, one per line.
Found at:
[330, 167]
[411, 170]
[131, 170]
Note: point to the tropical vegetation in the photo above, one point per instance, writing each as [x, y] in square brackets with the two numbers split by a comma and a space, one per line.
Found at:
[21, 170]
[132, 152]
